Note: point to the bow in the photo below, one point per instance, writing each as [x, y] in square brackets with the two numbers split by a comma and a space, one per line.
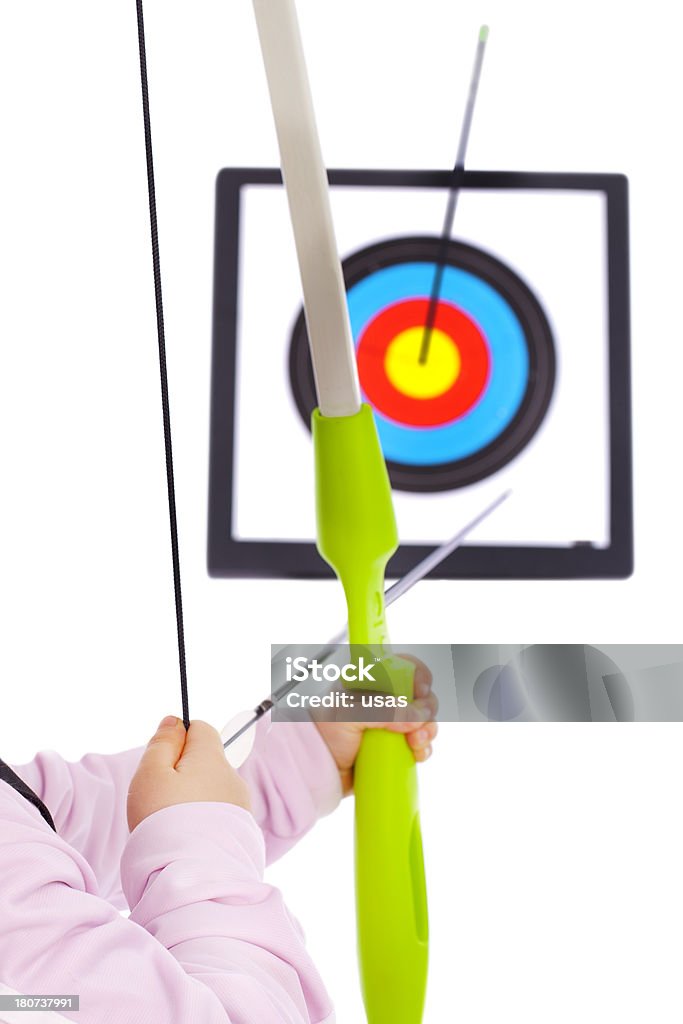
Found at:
[356, 534]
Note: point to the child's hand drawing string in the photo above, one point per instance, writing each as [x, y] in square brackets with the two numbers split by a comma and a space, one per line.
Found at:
[170, 480]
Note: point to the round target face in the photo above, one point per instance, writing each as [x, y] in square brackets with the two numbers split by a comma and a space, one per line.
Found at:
[455, 407]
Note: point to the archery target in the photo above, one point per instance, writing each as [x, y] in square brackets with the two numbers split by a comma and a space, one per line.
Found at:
[454, 403]
[525, 375]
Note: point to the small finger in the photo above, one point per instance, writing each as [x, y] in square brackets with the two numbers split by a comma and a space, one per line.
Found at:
[166, 745]
[415, 714]
[423, 754]
[418, 739]
[420, 687]
[423, 736]
[424, 709]
[202, 741]
[411, 717]
[422, 680]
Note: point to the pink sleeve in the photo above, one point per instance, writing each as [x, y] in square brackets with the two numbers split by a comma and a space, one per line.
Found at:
[87, 801]
[293, 781]
[207, 939]
[291, 774]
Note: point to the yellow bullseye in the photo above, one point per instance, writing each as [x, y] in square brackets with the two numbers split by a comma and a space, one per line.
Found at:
[422, 380]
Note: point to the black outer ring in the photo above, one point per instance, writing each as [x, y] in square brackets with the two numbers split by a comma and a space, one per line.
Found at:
[537, 333]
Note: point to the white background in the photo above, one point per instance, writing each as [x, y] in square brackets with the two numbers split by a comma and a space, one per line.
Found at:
[553, 852]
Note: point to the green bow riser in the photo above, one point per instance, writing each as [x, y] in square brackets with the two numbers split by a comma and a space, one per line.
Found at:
[357, 536]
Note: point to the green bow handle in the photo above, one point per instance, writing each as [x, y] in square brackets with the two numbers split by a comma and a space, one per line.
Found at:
[357, 536]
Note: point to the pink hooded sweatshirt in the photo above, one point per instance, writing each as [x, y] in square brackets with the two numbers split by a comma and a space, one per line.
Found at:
[207, 940]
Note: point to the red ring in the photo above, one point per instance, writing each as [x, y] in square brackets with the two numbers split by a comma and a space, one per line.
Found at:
[463, 394]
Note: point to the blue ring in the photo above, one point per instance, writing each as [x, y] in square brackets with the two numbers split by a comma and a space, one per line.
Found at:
[509, 357]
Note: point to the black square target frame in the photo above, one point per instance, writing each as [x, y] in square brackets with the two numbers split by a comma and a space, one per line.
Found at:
[232, 557]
